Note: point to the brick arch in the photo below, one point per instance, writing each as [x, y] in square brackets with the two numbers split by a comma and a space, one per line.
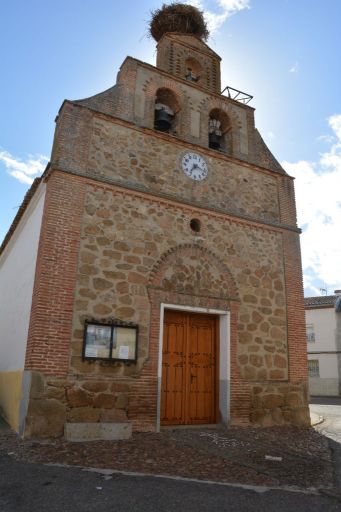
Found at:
[227, 301]
[185, 55]
[150, 89]
[194, 64]
[193, 270]
[209, 104]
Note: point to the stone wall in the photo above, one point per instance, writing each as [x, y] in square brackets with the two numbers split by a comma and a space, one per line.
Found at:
[117, 254]
[126, 239]
[117, 260]
[54, 401]
[143, 161]
[279, 403]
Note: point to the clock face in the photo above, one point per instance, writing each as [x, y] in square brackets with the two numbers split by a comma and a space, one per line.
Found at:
[194, 166]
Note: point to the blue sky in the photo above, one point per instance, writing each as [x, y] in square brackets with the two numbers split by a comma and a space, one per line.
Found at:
[286, 53]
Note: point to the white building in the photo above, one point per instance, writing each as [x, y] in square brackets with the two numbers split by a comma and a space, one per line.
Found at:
[323, 323]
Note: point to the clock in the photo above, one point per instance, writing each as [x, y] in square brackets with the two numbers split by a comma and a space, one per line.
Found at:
[194, 166]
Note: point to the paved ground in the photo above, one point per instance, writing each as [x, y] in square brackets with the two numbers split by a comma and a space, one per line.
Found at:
[264, 458]
[278, 456]
[330, 409]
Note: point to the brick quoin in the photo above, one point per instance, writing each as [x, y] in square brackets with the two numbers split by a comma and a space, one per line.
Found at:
[48, 344]
[298, 370]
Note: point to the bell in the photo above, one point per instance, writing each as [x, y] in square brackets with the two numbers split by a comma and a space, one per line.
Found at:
[163, 120]
[214, 141]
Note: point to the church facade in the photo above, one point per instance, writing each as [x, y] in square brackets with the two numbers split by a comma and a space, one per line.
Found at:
[163, 281]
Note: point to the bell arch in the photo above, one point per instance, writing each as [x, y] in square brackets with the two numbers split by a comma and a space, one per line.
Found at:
[166, 109]
[228, 118]
[193, 70]
[219, 131]
[163, 94]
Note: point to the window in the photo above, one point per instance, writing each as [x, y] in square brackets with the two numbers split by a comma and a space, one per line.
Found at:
[313, 368]
[310, 333]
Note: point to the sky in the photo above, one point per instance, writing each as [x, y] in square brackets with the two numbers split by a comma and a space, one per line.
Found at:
[285, 53]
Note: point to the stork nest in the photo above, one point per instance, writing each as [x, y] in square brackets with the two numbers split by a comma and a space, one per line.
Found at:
[181, 18]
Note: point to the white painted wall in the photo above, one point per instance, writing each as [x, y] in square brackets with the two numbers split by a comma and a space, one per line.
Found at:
[327, 328]
[323, 387]
[327, 384]
[327, 364]
[17, 271]
[324, 321]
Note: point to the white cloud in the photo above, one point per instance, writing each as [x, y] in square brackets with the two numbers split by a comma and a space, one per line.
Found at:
[24, 171]
[326, 138]
[294, 68]
[226, 7]
[318, 199]
[335, 123]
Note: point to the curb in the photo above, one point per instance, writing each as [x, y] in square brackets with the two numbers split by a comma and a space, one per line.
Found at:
[107, 473]
[315, 419]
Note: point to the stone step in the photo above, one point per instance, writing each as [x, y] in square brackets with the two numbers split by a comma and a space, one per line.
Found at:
[79, 432]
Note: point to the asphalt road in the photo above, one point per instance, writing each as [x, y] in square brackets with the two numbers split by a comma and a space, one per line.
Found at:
[26, 487]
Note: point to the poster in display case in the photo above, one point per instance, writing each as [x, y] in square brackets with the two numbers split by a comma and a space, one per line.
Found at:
[110, 342]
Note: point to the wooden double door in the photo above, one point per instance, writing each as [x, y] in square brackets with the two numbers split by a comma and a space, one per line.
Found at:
[189, 369]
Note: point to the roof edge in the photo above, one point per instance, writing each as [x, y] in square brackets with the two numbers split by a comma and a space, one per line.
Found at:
[22, 209]
[320, 301]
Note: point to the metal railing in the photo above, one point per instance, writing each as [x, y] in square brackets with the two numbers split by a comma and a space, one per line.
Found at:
[235, 94]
